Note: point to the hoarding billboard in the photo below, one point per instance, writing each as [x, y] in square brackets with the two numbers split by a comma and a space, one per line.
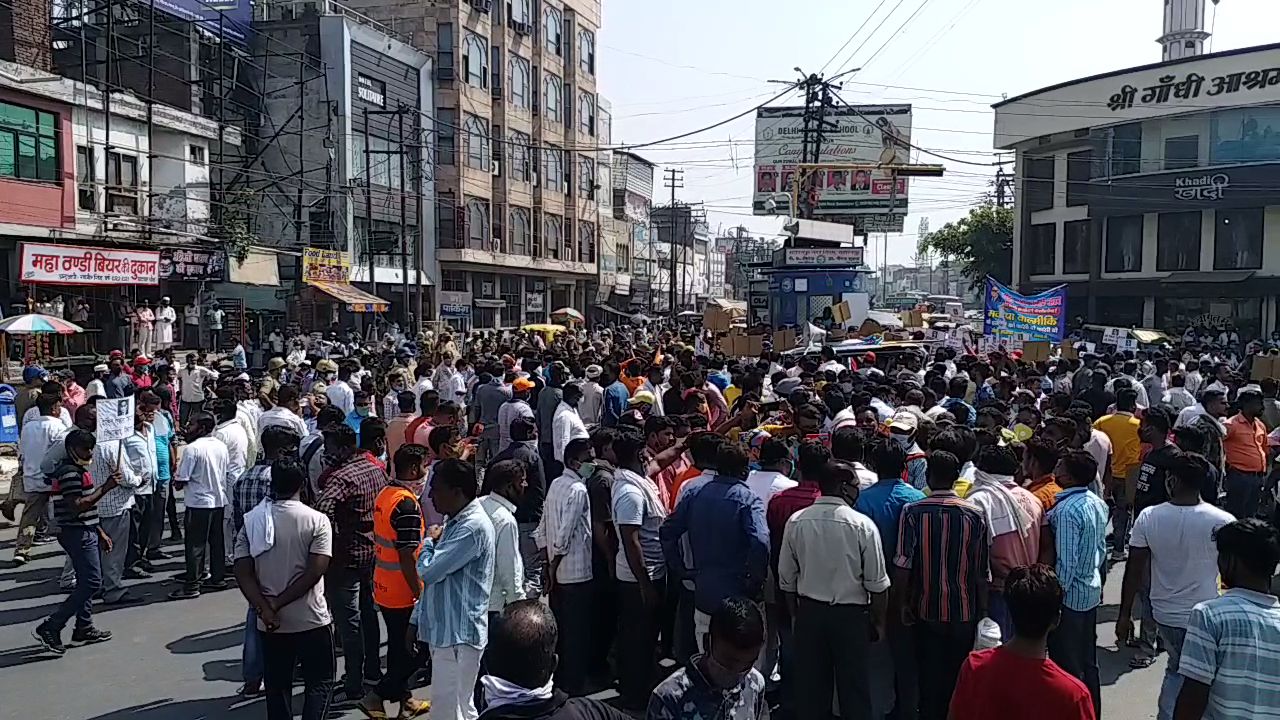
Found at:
[858, 135]
[229, 19]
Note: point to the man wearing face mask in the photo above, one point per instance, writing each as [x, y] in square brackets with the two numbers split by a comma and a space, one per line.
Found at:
[721, 682]
[832, 568]
[774, 475]
[902, 430]
[398, 382]
[398, 529]
[565, 533]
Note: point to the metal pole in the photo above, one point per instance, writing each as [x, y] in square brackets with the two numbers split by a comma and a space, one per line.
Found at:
[297, 213]
[404, 224]
[368, 204]
[419, 235]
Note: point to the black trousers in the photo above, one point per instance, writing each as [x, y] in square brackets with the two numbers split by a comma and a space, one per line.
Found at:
[831, 645]
[638, 627]
[1073, 645]
[146, 520]
[571, 604]
[313, 649]
[401, 660]
[204, 542]
[349, 592]
[171, 507]
[941, 648]
[604, 623]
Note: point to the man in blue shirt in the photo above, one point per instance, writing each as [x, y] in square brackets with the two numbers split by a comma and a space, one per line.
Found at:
[616, 396]
[1079, 523]
[728, 535]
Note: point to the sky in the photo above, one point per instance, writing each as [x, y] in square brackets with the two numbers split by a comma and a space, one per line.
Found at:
[669, 67]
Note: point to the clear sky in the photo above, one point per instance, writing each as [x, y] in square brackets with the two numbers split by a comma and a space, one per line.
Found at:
[669, 67]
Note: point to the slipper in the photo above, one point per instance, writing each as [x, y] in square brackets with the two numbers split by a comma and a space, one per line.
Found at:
[245, 692]
[378, 712]
[412, 708]
[1138, 662]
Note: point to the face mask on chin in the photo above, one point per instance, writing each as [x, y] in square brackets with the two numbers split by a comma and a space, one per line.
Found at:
[586, 470]
[364, 411]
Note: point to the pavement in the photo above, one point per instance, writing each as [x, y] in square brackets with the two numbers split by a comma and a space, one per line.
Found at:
[173, 660]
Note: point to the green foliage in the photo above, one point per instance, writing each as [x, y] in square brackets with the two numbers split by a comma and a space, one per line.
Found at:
[982, 243]
[233, 227]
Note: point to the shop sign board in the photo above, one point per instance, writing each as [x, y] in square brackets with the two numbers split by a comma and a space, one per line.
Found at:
[455, 304]
[78, 265]
[842, 256]
[193, 264]
[325, 266]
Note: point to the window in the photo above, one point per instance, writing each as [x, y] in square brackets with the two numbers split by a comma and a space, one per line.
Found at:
[518, 11]
[624, 257]
[1039, 248]
[1075, 247]
[521, 167]
[1238, 242]
[86, 179]
[586, 178]
[587, 51]
[478, 237]
[518, 70]
[587, 113]
[122, 184]
[586, 242]
[553, 235]
[518, 231]
[475, 59]
[477, 143]
[444, 47]
[1178, 241]
[1124, 244]
[552, 167]
[28, 143]
[1181, 152]
[552, 89]
[1126, 149]
[509, 290]
[446, 137]
[453, 281]
[1244, 135]
[1079, 166]
[448, 216]
[1037, 187]
[383, 161]
[551, 21]
[196, 154]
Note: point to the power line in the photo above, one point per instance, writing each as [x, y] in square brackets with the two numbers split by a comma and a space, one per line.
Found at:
[836, 54]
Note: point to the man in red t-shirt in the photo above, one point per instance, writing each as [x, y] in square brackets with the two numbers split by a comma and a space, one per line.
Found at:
[1018, 677]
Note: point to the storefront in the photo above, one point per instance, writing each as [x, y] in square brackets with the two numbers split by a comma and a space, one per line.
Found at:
[328, 299]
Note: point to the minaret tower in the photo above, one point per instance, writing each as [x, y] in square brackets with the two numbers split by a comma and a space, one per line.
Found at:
[1184, 32]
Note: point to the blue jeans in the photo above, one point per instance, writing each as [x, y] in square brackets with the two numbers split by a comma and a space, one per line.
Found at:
[998, 610]
[251, 659]
[81, 546]
[1172, 637]
[1244, 492]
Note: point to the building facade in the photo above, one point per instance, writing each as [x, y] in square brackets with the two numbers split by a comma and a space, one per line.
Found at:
[631, 182]
[517, 183]
[1153, 192]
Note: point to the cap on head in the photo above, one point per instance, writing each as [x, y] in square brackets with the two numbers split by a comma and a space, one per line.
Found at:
[905, 421]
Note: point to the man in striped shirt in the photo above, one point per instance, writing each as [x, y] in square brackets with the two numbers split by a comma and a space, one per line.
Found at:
[1231, 654]
[74, 500]
[1079, 531]
[940, 580]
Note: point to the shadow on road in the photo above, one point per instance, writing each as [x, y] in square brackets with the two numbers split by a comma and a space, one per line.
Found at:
[225, 708]
[208, 641]
[26, 654]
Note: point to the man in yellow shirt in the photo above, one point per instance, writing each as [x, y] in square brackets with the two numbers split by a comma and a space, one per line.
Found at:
[1121, 427]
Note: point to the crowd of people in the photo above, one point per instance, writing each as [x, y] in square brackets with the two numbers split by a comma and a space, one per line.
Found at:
[795, 535]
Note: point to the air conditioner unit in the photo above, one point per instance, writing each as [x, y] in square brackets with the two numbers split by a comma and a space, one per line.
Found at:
[521, 28]
[495, 168]
[483, 6]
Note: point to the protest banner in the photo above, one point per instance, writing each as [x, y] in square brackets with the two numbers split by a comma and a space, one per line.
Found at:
[115, 419]
[1030, 317]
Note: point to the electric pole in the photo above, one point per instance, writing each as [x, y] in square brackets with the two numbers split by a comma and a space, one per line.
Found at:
[817, 98]
[1003, 183]
[673, 179]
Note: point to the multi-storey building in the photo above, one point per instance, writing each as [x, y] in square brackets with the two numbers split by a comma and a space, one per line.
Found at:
[632, 190]
[516, 143]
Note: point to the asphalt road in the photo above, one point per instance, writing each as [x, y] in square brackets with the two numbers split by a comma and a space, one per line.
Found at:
[181, 660]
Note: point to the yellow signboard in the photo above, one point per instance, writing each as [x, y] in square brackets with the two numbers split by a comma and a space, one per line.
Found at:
[325, 266]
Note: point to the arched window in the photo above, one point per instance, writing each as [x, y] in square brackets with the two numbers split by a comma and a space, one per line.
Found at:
[520, 11]
[586, 178]
[475, 58]
[587, 51]
[519, 228]
[552, 90]
[552, 22]
[477, 143]
[519, 72]
[478, 224]
[586, 242]
[553, 235]
[587, 113]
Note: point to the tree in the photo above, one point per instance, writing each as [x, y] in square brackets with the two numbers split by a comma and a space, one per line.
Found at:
[982, 243]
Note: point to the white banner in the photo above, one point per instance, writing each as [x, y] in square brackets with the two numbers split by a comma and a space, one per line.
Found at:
[115, 419]
[78, 265]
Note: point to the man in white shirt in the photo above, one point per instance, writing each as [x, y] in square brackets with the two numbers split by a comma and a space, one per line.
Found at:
[565, 533]
[830, 362]
[775, 467]
[287, 412]
[96, 387]
[34, 442]
[592, 396]
[516, 407]
[339, 391]
[1174, 540]
[506, 481]
[831, 560]
[191, 381]
[566, 425]
[202, 474]
[148, 507]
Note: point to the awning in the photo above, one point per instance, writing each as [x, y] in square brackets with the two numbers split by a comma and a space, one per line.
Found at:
[1222, 276]
[354, 298]
[490, 303]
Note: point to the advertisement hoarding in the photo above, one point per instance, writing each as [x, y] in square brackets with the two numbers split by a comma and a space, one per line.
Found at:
[861, 135]
[823, 256]
[1027, 317]
[76, 265]
[325, 266]
[230, 19]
